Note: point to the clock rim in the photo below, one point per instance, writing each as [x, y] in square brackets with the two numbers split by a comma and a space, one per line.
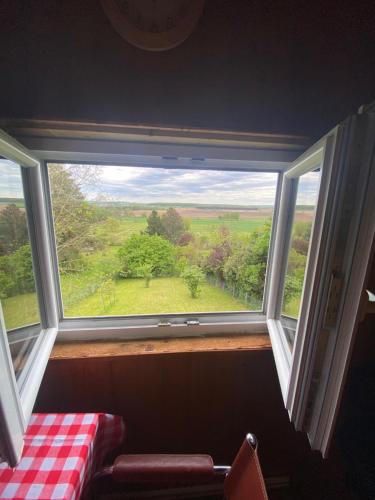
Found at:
[155, 42]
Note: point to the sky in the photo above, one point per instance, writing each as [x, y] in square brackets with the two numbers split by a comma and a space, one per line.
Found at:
[10, 180]
[158, 185]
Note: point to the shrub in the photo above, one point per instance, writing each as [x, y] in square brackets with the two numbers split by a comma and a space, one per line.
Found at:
[141, 249]
[193, 277]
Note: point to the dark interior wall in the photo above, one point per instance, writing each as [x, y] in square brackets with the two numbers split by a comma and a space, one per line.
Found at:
[292, 67]
[187, 402]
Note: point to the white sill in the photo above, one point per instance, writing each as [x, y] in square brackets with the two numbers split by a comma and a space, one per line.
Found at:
[106, 329]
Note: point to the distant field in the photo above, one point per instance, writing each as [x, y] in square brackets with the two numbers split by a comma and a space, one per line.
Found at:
[211, 213]
[165, 295]
[134, 225]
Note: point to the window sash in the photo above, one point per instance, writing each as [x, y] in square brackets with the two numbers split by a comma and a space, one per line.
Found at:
[17, 399]
[157, 325]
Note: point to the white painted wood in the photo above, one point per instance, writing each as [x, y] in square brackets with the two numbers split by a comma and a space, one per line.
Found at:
[355, 266]
[35, 374]
[12, 422]
[14, 151]
[281, 359]
[17, 399]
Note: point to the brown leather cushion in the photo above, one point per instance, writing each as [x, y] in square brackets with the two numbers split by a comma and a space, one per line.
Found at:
[160, 468]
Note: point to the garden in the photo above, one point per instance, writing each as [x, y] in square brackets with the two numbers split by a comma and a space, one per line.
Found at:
[131, 259]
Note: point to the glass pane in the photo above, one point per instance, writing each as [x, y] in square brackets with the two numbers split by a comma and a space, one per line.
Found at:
[134, 240]
[17, 284]
[304, 213]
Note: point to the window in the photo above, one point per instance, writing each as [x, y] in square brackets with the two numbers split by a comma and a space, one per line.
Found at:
[136, 241]
[313, 273]
[27, 326]
[305, 284]
[17, 281]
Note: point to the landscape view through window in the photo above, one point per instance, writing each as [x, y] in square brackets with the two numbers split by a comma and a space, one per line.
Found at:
[134, 240]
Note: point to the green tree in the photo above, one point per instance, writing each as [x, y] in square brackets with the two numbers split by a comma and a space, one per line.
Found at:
[13, 229]
[74, 218]
[16, 273]
[173, 225]
[245, 269]
[142, 249]
[193, 277]
[154, 224]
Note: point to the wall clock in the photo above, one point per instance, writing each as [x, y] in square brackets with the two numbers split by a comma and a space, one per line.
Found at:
[154, 24]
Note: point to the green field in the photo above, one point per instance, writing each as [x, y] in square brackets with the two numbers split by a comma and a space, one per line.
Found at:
[134, 225]
[165, 295]
[20, 310]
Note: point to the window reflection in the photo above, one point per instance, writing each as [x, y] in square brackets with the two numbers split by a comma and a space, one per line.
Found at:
[304, 213]
[17, 284]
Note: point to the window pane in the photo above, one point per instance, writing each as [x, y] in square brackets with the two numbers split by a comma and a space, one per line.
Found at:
[134, 240]
[307, 194]
[17, 284]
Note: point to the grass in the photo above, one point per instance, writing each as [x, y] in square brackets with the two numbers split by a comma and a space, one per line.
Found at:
[21, 310]
[292, 307]
[165, 295]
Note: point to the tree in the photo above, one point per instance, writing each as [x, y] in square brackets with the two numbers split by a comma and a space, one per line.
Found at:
[154, 224]
[13, 229]
[74, 218]
[16, 273]
[245, 269]
[173, 225]
[140, 250]
[193, 277]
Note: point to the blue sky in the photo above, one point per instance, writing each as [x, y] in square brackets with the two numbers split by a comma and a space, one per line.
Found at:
[152, 185]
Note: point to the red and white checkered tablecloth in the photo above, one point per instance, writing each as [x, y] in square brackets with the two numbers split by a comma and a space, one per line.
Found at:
[61, 453]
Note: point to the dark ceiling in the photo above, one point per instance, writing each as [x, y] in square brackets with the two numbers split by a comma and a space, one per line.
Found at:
[283, 66]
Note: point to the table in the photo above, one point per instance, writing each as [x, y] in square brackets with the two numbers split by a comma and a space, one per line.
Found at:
[61, 453]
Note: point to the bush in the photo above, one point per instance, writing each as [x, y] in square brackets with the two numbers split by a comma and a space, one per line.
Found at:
[193, 277]
[142, 249]
[16, 272]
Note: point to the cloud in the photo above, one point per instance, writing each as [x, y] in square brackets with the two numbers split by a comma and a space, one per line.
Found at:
[147, 185]
[10, 180]
[153, 185]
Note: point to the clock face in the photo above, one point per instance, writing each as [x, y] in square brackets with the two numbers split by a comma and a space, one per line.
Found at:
[154, 24]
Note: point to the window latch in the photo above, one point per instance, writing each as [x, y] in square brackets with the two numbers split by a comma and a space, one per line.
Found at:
[192, 322]
[164, 323]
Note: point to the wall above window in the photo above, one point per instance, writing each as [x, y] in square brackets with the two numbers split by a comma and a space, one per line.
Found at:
[294, 67]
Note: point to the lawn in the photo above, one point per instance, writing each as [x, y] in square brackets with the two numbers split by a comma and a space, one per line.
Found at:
[165, 295]
[20, 310]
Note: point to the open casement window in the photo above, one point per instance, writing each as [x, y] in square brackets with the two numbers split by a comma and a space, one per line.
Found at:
[324, 235]
[28, 323]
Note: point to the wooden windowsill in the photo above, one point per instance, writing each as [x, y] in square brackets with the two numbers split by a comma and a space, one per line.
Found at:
[102, 349]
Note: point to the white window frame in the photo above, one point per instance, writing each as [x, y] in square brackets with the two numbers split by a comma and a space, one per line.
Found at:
[160, 148]
[319, 155]
[17, 397]
[317, 355]
[336, 269]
